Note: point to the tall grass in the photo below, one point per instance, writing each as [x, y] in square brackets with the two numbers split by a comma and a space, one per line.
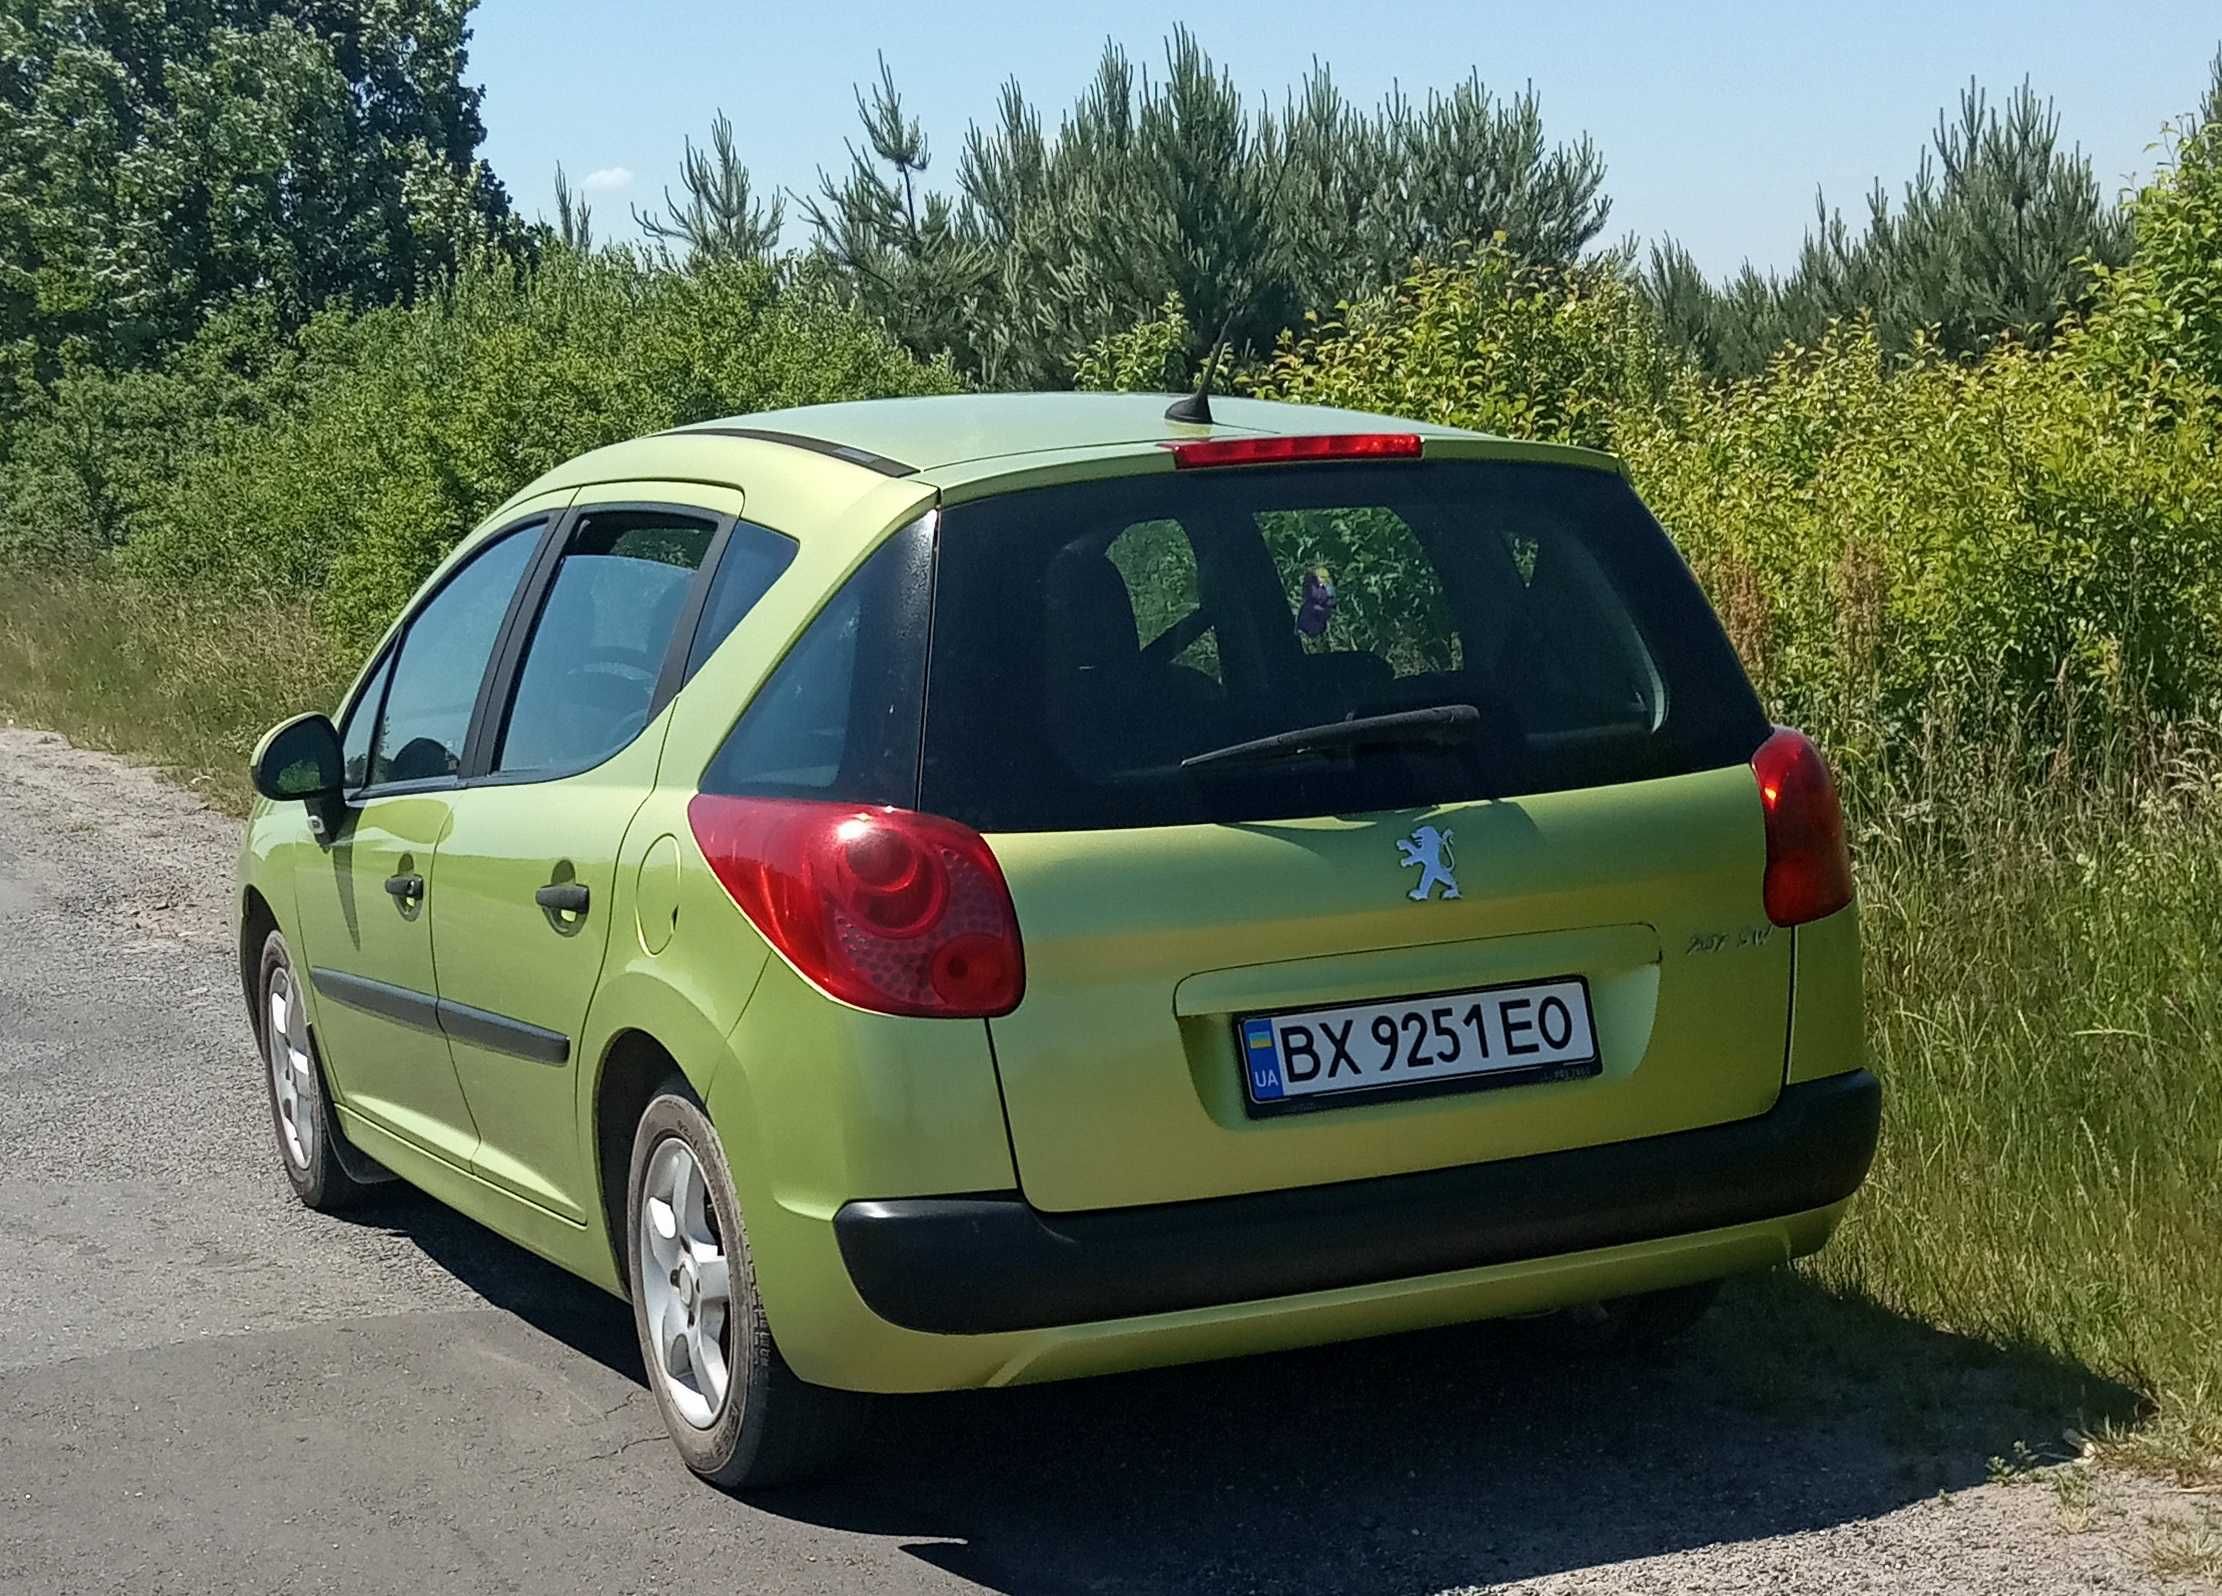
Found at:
[187, 683]
[2044, 989]
[2045, 1007]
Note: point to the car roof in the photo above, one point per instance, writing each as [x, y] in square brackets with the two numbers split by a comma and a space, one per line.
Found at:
[810, 465]
[926, 434]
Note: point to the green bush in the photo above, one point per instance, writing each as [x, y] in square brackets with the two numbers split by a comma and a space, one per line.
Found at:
[2030, 537]
[403, 427]
[88, 453]
[1486, 341]
[2159, 318]
[1880, 535]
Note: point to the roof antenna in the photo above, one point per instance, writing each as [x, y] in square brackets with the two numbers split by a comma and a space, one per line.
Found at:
[1196, 408]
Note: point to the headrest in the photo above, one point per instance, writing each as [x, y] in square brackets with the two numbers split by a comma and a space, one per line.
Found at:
[1089, 614]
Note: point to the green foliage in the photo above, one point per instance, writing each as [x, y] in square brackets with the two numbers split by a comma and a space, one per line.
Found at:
[406, 426]
[722, 220]
[2159, 317]
[1486, 341]
[1994, 235]
[159, 160]
[1174, 189]
[1881, 535]
[91, 450]
[1149, 357]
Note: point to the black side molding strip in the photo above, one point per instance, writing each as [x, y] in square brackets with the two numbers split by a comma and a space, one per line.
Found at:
[459, 1021]
[795, 440]
[400, 1004]
[977, 1265]
[503, 1034]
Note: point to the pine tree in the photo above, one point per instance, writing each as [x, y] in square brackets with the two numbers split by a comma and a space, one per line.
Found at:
[1995, 234]
[722, 219]
[901, 250]
[1174, 188]
[574, 217]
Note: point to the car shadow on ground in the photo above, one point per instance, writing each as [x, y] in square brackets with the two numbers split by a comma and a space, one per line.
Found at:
[1470, 1456]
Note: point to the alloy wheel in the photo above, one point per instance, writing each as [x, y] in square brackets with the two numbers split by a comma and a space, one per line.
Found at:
[686, 1284]
[292, 1070]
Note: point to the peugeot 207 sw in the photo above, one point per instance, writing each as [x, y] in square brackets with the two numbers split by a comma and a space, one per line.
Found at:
[948, 892]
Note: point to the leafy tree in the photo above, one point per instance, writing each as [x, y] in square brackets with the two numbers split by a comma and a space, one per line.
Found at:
[2159, 316]
[159, 159]
[93, 449]
[1994, 234]
[722, 220]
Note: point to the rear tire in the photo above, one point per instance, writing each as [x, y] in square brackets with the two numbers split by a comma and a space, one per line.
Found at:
[739, 1416]
[1640, 1323]
[1658, 1317]
[308, 1133]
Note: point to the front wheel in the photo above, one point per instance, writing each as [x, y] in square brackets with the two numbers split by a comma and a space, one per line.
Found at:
[300, 1111]
[739, 1416]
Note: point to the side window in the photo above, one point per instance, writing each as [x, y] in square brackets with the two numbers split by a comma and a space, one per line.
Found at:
[362, 719]
[752, 562]
[597, 647]
[840, 717]
[1574, 660]
[1158, 565]
[441, 661]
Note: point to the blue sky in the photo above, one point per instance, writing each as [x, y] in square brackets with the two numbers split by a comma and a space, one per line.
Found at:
[1716, 120]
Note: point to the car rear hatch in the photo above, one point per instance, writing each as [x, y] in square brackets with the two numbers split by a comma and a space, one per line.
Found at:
[1519, 777]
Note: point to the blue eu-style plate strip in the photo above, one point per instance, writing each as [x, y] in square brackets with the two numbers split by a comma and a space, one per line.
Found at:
[1262, 1059]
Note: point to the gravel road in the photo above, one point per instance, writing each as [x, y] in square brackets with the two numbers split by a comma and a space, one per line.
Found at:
[205, 1388]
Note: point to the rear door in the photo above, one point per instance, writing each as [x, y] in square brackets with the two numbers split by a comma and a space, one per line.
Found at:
[1591, 838]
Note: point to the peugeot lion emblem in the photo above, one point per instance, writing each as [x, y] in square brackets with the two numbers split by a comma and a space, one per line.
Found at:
[1431, 851]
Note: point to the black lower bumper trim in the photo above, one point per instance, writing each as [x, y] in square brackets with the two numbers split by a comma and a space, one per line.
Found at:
[974, 1265]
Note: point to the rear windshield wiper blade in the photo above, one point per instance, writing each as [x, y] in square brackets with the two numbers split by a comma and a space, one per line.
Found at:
[1444, 725]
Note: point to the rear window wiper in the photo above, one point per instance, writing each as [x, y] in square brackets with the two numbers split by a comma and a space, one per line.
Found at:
[1444, 725]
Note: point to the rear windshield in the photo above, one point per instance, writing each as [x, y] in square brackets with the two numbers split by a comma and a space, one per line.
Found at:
[1087, 639]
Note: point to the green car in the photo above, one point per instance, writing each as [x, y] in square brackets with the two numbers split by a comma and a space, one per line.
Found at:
[949, 892]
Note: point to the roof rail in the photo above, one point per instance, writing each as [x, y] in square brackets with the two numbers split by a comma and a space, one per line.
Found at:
[839, 451]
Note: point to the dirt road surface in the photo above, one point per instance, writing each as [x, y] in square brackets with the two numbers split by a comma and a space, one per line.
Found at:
[205, 1388]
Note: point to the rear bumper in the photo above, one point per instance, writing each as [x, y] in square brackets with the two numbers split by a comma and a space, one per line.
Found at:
[983, 1265]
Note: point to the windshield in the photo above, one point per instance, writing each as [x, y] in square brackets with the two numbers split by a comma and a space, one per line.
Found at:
[1088, 639]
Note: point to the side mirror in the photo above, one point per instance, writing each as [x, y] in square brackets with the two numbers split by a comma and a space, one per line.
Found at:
[300, 759]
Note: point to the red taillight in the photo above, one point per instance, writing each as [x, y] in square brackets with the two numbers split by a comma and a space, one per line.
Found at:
[1278, 451]
[1809, 868]
[889, 910]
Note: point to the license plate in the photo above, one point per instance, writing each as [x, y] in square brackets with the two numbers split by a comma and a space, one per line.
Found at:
[1487, 1036]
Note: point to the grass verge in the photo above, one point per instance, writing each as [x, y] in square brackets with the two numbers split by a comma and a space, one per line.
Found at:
[2045, 1009]
[2044, 1006]
[188, 685]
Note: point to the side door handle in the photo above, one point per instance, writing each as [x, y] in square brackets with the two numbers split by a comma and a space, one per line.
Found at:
[405, 886]
[565, 897]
